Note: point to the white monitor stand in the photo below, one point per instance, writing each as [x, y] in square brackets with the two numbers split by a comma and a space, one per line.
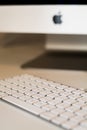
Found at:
[56, 42]
[76, 43]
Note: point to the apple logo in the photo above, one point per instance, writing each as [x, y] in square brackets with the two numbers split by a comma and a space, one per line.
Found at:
[57, 18]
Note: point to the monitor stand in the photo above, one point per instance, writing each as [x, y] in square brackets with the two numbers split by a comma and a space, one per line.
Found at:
[62, 52]
[74, 43]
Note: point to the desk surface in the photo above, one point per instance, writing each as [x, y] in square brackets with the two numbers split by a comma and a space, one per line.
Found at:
[12, 55]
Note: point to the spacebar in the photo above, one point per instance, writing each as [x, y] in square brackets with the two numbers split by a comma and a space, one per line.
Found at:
[28, 107]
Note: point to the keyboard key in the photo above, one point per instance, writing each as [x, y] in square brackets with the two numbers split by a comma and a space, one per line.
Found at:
[67, 115]
[48, 115]
[58, 120]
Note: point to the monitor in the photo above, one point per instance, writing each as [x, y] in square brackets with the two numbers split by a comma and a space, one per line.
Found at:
[64, 23]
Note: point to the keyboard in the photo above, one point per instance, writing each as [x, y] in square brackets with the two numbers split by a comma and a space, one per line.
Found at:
[59, 104]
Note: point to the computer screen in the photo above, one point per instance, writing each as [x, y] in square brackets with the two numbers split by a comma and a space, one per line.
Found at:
[44, 17]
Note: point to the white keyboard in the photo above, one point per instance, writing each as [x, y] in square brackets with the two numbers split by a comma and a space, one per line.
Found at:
[59, 104]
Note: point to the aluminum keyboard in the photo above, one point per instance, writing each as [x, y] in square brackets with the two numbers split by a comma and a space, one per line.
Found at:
[57, 103]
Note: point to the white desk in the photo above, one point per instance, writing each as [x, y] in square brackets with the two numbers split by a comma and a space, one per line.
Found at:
[11, 57]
